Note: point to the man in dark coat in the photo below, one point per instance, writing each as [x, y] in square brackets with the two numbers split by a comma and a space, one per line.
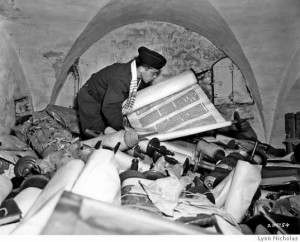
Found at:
[110, 93]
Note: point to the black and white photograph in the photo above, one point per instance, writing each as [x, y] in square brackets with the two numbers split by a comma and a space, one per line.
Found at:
[150, 119]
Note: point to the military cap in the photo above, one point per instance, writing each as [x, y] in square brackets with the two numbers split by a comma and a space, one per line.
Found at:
[151, 58]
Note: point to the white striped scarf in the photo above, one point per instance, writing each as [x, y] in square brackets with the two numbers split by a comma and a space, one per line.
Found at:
[129, 102]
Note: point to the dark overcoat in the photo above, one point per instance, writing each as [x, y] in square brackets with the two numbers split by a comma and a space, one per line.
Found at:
[100, 98]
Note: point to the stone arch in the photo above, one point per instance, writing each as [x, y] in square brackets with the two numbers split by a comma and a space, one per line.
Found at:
[198, 16]
[288, 81]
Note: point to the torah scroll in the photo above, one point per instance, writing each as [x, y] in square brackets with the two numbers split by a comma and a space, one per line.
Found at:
[175, 108]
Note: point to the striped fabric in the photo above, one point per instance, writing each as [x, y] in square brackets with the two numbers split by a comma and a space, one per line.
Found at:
[129, 102]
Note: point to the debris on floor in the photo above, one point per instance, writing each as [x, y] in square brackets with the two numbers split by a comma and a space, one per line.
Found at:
[214, 182]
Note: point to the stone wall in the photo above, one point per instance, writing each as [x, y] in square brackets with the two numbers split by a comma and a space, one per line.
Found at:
[14, 91]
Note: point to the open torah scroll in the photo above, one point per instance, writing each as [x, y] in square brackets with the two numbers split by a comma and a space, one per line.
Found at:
[175, 108]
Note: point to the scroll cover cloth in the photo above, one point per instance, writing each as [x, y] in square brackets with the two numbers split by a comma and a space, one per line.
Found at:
[187, 108]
